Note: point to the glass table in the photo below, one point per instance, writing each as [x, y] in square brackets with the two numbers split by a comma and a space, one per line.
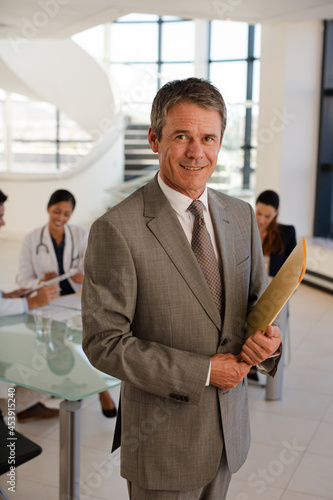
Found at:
[54, 364]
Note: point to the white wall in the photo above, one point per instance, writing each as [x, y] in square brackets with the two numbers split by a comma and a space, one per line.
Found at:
[289, 117]
[25, 208]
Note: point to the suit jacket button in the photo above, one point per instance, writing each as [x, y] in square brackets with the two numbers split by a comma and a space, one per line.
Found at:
[186, 399]
[172, 395]
[224, 342]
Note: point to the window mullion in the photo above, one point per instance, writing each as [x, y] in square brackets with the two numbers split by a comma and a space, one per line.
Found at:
[159, 53]
[248, 110]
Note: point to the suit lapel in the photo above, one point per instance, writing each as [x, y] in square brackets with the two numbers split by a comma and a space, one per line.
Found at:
[164, 224]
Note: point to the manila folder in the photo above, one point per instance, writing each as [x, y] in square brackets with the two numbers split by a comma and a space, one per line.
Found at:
[279, 291]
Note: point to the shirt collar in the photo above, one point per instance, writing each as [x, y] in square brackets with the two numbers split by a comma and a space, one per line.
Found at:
[180, 202]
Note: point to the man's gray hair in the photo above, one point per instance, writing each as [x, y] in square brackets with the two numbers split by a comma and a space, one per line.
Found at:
[193, 91]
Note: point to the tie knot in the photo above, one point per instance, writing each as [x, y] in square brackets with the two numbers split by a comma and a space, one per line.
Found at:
[196, 208]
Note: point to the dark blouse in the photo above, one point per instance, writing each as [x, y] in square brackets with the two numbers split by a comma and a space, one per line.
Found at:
[289, 243]
[65, 286]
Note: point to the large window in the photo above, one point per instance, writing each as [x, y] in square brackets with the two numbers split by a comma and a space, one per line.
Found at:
[35, 137]
[164, 50]
[234, 69]
[141, 52]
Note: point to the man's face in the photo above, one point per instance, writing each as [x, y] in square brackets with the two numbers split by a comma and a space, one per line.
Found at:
[2, 212]
[189, 147]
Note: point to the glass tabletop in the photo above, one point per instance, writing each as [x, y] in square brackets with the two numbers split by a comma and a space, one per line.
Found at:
[54, 363]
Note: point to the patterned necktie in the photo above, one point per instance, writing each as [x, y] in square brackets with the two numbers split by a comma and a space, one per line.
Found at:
[204, 252]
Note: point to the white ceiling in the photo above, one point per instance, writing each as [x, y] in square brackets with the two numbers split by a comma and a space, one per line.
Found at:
[63, 18]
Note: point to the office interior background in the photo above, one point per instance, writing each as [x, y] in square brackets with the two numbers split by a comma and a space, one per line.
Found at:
[77, 80]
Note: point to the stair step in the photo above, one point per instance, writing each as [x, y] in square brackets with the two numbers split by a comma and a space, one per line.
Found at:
[144, 172]
[145, 162]
[140, 164]
[136, 133]
[138, 155]
[138, 126]
[137, 145]
[144, 156]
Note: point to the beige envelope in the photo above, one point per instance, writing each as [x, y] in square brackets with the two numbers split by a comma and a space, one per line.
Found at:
[279, 291]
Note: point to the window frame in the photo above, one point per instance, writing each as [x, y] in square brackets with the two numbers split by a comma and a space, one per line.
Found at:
[247, 146]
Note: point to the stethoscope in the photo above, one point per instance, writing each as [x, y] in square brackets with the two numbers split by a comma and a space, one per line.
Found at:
[42, 244]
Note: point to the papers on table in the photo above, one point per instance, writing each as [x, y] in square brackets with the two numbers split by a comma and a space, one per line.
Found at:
[64, 307]
[279, 291]
[72, 301]
[53, 281]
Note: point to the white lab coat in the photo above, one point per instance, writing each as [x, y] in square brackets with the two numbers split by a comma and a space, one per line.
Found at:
[38, 257]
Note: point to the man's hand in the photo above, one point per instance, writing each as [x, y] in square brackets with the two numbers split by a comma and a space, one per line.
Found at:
[260, 346]
[227, 370]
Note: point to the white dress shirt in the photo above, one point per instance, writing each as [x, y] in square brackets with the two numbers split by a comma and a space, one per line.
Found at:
[180, 204]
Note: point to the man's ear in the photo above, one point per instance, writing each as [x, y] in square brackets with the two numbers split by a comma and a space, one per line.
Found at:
[153, 141]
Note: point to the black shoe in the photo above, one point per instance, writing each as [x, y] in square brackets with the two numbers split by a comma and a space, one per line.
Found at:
[106, 398]
[110, 413]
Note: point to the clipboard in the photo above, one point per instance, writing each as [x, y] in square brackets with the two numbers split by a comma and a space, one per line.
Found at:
[52, 281]
[279, 291]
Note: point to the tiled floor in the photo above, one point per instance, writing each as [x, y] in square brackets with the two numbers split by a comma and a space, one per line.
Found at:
[291, 457]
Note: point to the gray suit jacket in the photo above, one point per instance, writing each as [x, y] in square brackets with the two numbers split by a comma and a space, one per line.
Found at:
[150, 320]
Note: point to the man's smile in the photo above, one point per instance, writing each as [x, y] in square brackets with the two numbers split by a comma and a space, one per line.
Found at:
[192, 168]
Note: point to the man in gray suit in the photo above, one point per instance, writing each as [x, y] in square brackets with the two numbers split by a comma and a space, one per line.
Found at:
[150, 318]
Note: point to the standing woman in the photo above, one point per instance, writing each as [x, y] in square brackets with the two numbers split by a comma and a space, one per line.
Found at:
[54, 249]
[278, 241]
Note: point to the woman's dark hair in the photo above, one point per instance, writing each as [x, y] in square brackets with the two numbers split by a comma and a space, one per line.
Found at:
[3, 198]
[269, 198]
[273, 242]
[59, 196]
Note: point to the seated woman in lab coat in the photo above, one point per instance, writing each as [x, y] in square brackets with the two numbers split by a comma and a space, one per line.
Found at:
[55, 249]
